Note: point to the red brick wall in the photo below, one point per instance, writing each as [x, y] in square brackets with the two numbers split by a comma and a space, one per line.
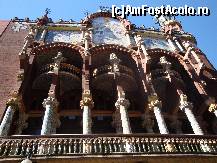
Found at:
[3, 25]
[11, 43]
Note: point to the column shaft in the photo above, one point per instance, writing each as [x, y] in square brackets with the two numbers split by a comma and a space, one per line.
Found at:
[171, 44]
[125, 120]
[194, 124]
[86, 120]
[47, 121]
[86, 104]
[49, 125]
[7, 121]
[160, 121]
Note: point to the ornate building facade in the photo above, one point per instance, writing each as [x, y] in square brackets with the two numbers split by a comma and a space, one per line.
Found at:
[104, 90]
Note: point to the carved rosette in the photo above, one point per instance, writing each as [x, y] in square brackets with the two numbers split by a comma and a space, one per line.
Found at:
[184, 102]
[153, 101]
[86, 99]
[212, 108]
[122, 102]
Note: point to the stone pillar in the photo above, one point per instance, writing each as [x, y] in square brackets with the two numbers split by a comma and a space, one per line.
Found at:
[49, 126]
[43, 35]
[155, 105]
[6, 123]
[87, 39]
[213, 109]
[178, 44]
[122, 104]
[86, 104]
[128, 37]
[187, 108]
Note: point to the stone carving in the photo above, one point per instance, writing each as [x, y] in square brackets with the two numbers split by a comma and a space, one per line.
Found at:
[57, 61]
[122, 102]
[114, 60]
[213, 108]
[166, 65]
[13, 102]
[184, 102]
[86, 99]
[153, 101]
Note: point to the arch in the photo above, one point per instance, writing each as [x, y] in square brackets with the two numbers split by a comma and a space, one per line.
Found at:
[108, 47]
[46, 47]
[186, 74]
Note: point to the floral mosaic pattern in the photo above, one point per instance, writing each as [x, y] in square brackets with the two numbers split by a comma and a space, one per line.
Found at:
[63, 36]
[153, 43]
[108, 31]
[19, 26]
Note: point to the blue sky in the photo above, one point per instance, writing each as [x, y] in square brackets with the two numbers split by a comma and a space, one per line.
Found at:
[203, 28]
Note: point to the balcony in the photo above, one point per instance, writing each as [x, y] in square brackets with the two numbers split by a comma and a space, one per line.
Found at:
[64, 67]
[108, 69]
[16, 147]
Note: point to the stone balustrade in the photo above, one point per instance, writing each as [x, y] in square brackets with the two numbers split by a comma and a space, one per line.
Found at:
[61, 145]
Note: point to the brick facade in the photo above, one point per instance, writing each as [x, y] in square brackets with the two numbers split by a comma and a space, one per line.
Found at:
[11, 43]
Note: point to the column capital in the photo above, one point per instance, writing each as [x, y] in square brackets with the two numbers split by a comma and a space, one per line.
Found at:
[153, 101]
[86, 99]
[13, 102]
[50, 101]
[184, 102]
[122, 102]
[212, 107]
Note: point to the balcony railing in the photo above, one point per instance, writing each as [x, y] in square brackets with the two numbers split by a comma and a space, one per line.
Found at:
[108, 68]
[61, 145]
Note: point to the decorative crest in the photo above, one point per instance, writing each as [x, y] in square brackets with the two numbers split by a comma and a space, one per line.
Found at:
[44, 19]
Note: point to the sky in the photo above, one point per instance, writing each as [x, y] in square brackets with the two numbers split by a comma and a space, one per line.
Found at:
[204, 28]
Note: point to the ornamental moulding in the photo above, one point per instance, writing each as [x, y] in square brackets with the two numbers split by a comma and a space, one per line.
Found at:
[46, 47]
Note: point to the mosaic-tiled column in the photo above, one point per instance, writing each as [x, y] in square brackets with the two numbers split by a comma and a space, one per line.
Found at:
[48, 126]
[122, 104]
[86, 105]
[6, 123]
[155, 105]
[187, 108]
